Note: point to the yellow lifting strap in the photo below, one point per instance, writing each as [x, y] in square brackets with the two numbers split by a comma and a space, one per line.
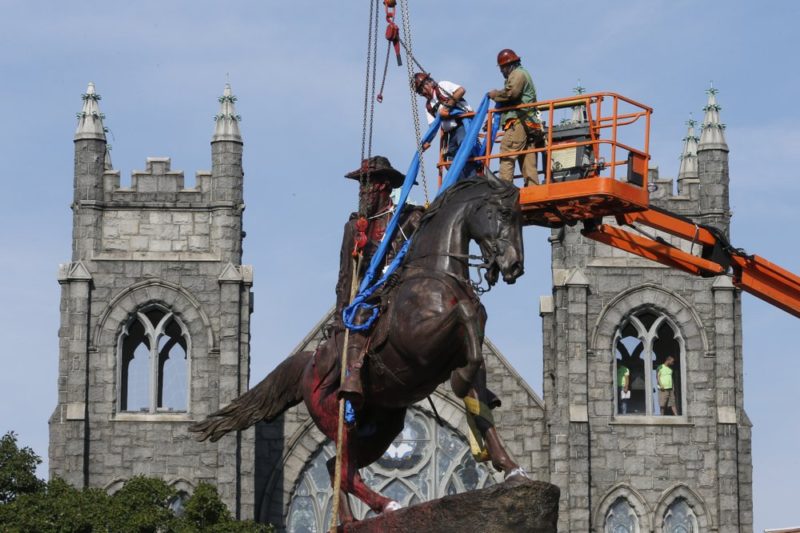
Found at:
[476, 408]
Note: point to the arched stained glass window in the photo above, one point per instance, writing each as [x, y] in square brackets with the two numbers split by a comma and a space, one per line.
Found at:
[680, 518]
[154, 358]
[425, 461]
[621, 518]
[649, 366]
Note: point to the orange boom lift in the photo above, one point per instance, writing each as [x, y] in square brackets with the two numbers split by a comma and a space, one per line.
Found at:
[595, 168]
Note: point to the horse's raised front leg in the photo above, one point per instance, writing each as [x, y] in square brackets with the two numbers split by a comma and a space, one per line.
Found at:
[461, 378]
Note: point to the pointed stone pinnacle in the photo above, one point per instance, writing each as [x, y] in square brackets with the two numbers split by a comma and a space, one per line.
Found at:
[90, 119]
[227, 127]
[688, 167]
[712, 136]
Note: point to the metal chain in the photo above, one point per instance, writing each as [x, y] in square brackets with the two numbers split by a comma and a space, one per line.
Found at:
[372, 83]
[369, 93]
[385, 72]
[413, 58]
[410, 60]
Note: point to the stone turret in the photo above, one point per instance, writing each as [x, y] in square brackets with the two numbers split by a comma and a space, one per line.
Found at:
[712, 166]
[90, 148]
[687, 175]
[227, 176]
[90, 166]
[226, 150]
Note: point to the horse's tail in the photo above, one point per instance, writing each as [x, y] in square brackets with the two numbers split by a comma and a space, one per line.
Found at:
[276, 393]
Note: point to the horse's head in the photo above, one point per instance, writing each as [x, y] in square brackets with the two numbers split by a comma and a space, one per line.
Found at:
[496, 225]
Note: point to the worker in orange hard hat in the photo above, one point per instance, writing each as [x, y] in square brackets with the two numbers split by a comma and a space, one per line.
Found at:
[522, 127]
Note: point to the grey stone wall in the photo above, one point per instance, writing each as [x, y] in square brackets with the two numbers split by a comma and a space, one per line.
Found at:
[156, 243]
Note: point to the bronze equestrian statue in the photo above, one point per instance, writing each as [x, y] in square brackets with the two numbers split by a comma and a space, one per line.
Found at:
[430, 329]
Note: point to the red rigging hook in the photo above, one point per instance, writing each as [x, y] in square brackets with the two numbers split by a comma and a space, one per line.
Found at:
[392, 31]
[360, 239]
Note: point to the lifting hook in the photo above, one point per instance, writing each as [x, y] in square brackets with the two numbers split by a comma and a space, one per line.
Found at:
[392, 31]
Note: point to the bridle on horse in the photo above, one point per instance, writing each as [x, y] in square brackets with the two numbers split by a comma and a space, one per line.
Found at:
[488, 256]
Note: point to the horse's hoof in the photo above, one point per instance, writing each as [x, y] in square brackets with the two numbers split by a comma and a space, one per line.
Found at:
[516, 473]
[392, 506]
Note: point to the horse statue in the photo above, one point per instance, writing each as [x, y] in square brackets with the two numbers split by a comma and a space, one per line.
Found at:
[430, 329]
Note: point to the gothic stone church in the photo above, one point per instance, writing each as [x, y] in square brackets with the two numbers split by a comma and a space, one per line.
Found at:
[154, 335]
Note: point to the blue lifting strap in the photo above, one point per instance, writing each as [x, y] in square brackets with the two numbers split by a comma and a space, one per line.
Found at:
[468, 149]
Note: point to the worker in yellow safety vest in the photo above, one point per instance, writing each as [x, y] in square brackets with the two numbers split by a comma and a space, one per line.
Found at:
[623, 387]
[666, 391]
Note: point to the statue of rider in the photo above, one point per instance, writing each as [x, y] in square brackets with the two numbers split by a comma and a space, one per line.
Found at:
[376, 178]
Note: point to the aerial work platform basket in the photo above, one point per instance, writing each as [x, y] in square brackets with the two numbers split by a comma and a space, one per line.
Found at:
[595, 154]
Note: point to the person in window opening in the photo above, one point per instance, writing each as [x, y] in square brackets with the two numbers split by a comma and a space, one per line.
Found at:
[522, 127]
[444, 97]
[666, 392]
[623, 387]
[376, 178]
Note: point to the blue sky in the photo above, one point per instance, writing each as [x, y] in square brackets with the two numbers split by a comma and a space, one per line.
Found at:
[297, 68]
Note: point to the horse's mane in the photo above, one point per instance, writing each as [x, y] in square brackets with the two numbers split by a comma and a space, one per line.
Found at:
[499, 188]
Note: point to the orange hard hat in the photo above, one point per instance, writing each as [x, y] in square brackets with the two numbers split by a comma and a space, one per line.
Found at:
[419, 80]
[506, 56]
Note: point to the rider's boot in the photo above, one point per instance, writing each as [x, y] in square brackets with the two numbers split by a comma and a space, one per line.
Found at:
[352, 388]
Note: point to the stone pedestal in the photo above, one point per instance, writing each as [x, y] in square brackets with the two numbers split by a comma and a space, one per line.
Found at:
[524, 505]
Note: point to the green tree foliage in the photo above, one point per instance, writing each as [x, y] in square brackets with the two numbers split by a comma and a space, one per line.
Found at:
[205, 508]
[142, 505]
[57, 507]
[17, 469]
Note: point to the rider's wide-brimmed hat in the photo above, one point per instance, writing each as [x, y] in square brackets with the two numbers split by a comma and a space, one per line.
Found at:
[378, 168]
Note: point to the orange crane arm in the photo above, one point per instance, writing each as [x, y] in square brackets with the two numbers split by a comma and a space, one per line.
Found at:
[751, 273]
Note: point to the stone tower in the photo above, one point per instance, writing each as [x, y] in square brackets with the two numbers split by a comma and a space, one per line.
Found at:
[623, 463]
[155, 319]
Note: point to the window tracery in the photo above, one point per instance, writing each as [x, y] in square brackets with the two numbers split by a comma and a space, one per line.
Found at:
[649, 369]
[154, 360]
[680, 518]
[621, 518]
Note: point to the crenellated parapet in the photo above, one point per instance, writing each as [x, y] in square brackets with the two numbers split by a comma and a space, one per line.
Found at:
[157, 183]
[684, 200]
